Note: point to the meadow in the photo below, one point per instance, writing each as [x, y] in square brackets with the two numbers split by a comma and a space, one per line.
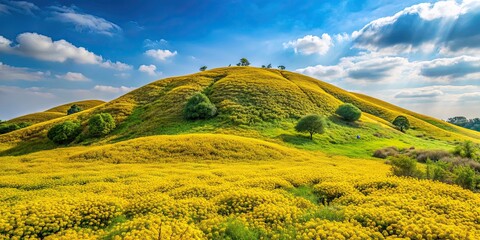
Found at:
[244, 174]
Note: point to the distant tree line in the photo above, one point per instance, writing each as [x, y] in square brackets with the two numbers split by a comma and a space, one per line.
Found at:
[461, 121]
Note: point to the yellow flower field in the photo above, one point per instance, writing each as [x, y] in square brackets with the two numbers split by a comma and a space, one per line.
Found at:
[193, 192]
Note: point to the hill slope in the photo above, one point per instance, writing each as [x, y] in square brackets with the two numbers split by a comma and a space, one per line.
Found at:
[253, 102]
[56, 112]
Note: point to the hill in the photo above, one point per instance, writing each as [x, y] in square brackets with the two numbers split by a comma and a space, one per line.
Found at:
[260, 103]
[244, 174]
[56, 112]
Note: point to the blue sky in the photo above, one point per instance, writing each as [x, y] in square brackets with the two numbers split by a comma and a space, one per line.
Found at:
[422, 55]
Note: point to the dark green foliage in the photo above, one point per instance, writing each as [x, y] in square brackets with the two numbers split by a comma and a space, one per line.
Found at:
[438, 171]
[267, 66]
[466, 149]
[203, 68]
[199, 107]
[465, 177]
[281, 67]
[461, 121]
[405, 166]
[74, 109]
[349, 112]
[100, 124]
[65, 132]
[9, 127]
[243, 62]
[312, 124]
[402, 123]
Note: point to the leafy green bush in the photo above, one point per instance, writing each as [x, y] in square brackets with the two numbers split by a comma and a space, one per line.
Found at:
[402, 123]
[405, 166]
[349, 112]
[312, 124]
[438, 170]
[199, 107]
[465, 177]
[466, 149]
[100, 124]
[65, 132]
[74, 109]
[9, 127]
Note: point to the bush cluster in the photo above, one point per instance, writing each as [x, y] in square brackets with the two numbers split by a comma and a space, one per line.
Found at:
[349, 112]
[199, 107]
[9, 127]
[65, 132]
[100, 124]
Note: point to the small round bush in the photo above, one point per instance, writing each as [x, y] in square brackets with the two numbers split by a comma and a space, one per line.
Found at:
[199, 107]
[349, 112]
[65, 132]
[312, 124]
[74, 109]
[100, 124]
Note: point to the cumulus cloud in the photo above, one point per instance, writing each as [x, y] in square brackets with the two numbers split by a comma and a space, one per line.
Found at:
[16, 73]
[423, 28]
[44, 48]
[7, 7]
[111, 89]
[473, 96]
[365, 68]
[73, 77]
[149, 69]
[450, 68]
[160, 54]
[419, 93]
[310, 44]
[85, 22]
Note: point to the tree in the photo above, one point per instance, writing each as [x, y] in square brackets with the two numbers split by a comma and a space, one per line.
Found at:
[466, 149]
[100, 124]
[199, 107]
[402, 123]
[349, 112]
[203, 68]
[458, 120]
[65, 132]
[263, 66]
[312, 124]
[281, 67]
[74, 109]
[243, 62]
[269, 65]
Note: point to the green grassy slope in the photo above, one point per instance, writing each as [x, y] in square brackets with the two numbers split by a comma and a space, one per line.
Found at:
[254, 102]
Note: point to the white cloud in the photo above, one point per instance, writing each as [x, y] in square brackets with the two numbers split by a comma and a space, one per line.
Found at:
[449, 69]
[324, 72]
[22, 7]
[310, 44]
[160, 54]
[43, 48]
[149, 69]
[419, 93]
[111, 89]
[84, 21]
[148, 43]
[16, 73]
[343, 37]
[122, 75]
[73, 77]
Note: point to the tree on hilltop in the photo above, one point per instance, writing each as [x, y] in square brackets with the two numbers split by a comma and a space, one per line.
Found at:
[203, 68]
[74, 109]
[281, 67]
[243, 62]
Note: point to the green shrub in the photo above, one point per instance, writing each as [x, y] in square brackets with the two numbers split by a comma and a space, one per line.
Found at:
[65, 132]
[100, 124]
[349, 112]
[74, 109]
[312, 124]
[465, 177]
[459, 161]
[405, 166]
[466, 149]
[402, 123]
[438, 170]
[9, 127]
[199, 107]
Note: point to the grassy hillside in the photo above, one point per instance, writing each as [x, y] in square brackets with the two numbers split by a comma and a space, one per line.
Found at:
[55, 112]
[244, 174]
[253, 102]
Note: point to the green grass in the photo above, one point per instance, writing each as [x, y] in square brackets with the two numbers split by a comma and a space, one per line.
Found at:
[306, 192]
